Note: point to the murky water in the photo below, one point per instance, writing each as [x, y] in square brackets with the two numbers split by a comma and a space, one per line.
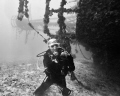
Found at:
[12, 37]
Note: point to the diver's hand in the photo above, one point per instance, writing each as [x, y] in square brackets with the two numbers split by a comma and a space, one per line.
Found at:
[54, 60]
[65, 53]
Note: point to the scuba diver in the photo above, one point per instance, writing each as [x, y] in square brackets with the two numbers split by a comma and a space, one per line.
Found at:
[58, 63]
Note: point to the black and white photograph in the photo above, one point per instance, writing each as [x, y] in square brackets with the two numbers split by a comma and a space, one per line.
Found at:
[59, 48]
